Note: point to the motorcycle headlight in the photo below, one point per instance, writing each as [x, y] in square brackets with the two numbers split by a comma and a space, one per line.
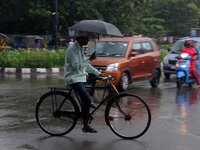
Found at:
[183, 66]
[184, 55]
[112, 67]
[165, 60]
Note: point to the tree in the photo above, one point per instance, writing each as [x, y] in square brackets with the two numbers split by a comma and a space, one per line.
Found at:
[118, 12]
[25, 17]
[34, 16]
[179, 15]
[147, 17]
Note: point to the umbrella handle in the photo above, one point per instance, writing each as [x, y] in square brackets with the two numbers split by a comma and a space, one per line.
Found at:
[96, 42]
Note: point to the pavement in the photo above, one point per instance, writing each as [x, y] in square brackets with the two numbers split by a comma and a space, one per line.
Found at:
[30, 70]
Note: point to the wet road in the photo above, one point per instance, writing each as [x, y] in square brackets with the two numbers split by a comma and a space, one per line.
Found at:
[175, 118]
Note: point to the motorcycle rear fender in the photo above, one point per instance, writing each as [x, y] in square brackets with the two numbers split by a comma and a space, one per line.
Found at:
[180, 74]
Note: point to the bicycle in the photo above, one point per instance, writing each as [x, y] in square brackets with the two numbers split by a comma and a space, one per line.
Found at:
[127, 115]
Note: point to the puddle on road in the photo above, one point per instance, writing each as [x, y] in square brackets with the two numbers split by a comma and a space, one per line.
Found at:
[19, 94]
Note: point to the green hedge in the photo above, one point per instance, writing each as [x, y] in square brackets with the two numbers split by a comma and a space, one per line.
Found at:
[40, 59]
[33, 58]
[164, 50]
[163, 53]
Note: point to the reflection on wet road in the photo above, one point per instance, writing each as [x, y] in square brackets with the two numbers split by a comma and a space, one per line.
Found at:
[175, 117]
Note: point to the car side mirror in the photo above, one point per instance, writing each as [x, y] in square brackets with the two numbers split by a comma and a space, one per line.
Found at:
[133, 53]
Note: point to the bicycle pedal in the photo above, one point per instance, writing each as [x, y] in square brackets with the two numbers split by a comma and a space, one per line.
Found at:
[110, 118]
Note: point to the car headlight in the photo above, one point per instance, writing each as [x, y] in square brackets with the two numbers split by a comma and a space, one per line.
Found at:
[112, 67]
[165, 60]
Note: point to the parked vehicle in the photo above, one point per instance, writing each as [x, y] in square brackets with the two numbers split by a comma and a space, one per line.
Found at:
[170, 59]
[128, 60]
[182, 70]
[29, 41]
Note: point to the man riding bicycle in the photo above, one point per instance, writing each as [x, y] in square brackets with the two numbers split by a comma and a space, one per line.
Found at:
[77, 68]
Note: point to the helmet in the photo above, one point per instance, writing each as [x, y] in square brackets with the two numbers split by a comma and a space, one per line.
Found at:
[187, 43]
[193, 41]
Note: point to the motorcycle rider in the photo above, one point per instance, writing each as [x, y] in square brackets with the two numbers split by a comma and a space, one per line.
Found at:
[191, 51]
[198, 56]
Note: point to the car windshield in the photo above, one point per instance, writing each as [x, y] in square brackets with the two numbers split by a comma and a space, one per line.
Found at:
[109, 49]
[178, 46]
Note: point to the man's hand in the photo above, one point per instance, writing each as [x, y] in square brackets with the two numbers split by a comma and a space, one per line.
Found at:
[103, 75]
[93, 56]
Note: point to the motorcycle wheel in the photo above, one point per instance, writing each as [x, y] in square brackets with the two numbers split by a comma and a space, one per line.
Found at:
[190, 85]
[179, 83]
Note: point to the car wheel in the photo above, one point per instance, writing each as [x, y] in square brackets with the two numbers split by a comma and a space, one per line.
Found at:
[167, 75]
[155, 79]
[124, 82]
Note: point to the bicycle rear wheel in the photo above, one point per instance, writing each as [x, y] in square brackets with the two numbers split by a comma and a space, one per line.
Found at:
[56, 113]
[131, 119]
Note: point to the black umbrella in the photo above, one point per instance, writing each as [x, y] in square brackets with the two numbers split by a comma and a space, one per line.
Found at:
[97, 26]
[3, 36]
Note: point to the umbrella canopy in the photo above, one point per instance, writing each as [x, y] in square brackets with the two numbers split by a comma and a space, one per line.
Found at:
[97, 26]
[3, 36]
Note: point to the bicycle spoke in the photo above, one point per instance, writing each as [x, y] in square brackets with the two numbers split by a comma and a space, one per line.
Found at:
[55, 113]
[136, 121]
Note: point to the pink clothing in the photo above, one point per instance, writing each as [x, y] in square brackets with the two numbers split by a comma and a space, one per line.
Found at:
[192, 70]
[190, 51]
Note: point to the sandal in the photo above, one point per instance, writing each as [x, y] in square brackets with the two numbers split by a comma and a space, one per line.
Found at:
[89, 129]
[92, 105]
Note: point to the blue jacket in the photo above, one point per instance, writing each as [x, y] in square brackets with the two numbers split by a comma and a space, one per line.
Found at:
[197, 50]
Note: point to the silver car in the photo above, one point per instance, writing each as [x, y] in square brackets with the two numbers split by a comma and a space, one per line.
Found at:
[169, 61]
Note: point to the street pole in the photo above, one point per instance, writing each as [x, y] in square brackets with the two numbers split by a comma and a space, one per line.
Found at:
[56, 24]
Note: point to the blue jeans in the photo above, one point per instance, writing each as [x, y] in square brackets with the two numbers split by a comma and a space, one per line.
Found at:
[85, 96]
[91, 80]
[80, 89]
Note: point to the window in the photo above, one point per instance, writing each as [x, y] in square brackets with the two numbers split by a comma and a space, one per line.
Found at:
[136, 47]
[109, 49]
[147, 47]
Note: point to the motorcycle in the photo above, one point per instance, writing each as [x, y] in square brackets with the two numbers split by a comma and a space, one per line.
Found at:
[182, 70]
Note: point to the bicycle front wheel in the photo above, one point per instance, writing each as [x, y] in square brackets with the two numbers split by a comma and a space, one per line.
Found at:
[128, 116]
[56, 113]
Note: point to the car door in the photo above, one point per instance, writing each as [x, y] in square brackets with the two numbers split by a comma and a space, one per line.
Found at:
[149, 64]
[137, 62]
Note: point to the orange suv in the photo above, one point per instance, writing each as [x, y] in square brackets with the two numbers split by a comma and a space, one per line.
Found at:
[128, 60]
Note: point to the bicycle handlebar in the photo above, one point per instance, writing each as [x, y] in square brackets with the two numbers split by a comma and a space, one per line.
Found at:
[106, 77]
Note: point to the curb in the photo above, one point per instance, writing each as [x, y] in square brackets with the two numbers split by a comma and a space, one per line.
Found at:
[30, 70]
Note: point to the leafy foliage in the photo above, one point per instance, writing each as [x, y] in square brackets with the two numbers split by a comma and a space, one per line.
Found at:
[33, 59]
[179, 15]
[148, 17]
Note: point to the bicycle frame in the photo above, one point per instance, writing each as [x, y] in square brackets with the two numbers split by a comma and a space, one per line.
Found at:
[120, 111]
[111, 90]
[111, 95]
